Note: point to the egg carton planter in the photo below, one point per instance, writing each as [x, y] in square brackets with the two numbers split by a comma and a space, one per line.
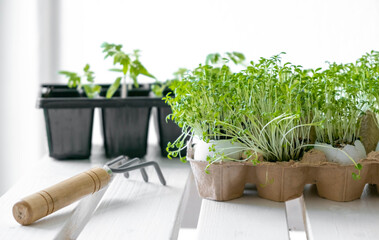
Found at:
[283, 181]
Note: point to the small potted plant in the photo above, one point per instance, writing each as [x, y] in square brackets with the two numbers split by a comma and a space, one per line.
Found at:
[126, 122]
[68, 127]
[349, 129]
[204, 87]
[215, 66]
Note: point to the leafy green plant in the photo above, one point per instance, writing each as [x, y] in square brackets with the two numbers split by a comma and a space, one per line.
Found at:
[202, 87]
[260, 107]
[274, 102]
[345, 93]
[159, 87]
[274, 109]
[130, 66]
[75, 81]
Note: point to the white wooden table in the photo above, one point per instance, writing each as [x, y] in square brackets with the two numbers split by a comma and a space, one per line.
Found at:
[130, 208]
[250, 217]
[133, 209]
[354, 220]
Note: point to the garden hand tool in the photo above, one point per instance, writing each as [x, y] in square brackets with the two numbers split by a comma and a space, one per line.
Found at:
[49, 200]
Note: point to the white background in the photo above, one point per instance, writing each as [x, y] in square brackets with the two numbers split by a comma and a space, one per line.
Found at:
[177, 33]
[40, 37]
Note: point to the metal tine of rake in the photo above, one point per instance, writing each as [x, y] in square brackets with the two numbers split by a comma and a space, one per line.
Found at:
[133, 164]
[132, 161]
[120, 159]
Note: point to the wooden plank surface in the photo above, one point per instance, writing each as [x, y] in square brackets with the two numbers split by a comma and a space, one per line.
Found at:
[126, 201]
[133, 209]
[249, 217]
[327, 219]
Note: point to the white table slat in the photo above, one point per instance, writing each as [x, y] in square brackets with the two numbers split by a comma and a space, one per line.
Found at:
[327, 219]
[248, 217]
[130, 208]
[133, 209]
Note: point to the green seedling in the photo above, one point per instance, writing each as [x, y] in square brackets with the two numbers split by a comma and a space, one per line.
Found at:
[75, 81]
[159, 87]
[129, 64]
[275, 109]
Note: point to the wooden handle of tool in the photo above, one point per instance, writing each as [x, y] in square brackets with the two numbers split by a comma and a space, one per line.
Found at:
[45, 202]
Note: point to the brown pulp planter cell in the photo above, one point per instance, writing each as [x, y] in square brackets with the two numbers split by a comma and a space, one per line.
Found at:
[274, 181]
[335, 182]
[284, 181]
[225, 181]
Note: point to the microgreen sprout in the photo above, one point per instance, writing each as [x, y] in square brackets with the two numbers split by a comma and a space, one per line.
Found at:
[274, 109]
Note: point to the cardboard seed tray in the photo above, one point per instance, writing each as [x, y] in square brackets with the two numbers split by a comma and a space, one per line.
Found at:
[282, 181]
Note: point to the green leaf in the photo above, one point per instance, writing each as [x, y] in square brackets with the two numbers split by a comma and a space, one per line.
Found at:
[89, 74]
[359, 166]
[113, 88]
[356, 176]
[67, 73]
[212, 58]
[91, 90]
[73, 78]
[140, 69]
[115, 70]
[86, 68]
[239, 55]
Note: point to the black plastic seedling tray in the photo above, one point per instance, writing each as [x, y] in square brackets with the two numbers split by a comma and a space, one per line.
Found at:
[68, 129]
[168, 131]
[69, 120]
[125, 127]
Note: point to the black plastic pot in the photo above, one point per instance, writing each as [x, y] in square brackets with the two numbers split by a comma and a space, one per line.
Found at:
[125, 128]
[68, 129]
[168, 131]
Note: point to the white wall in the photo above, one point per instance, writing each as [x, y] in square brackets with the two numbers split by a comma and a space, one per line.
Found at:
[20, 121]
[177, 33]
